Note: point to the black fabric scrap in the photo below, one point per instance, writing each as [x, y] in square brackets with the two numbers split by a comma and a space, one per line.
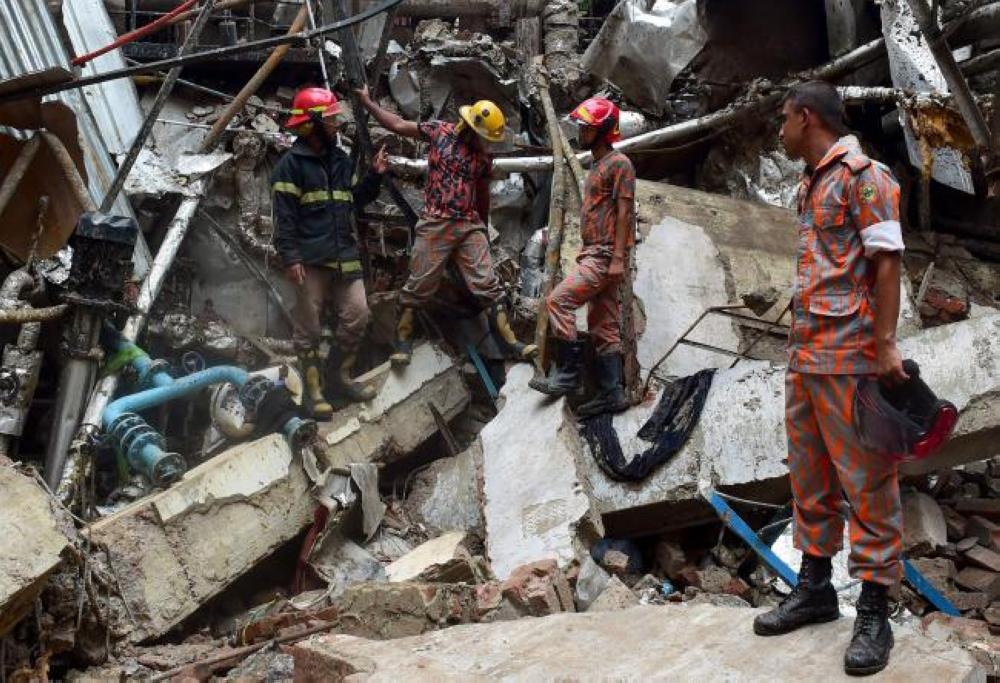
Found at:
[668, 429]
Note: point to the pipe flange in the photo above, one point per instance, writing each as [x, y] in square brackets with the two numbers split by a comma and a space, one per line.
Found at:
[155, 366]
[167, 470]
[300, 431]
[252, 393]
[192, 362]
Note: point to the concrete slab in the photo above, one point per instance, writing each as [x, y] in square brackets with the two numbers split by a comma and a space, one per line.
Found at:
[702, 250]
[31, 544]
[398, 420]
[535, 502]
[175, 550]
[445, 556]
[445, 496]
[690, 643]
[740, 440]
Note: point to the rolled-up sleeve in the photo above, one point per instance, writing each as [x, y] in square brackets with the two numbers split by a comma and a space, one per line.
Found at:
[875, 210]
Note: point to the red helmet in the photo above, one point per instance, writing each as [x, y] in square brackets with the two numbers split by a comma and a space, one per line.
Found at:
[907, 422]
[602, 113]
[309, 101]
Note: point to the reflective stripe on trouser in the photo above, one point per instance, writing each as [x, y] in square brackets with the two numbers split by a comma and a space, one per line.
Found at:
[826, 459]
[463, 241]
[588, 284]
[347, 296]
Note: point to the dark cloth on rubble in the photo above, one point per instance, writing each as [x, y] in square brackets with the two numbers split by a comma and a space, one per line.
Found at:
[668, 429]
[314, 199]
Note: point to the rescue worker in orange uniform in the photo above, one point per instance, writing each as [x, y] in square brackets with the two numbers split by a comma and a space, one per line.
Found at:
[454, 218]
[845, 309]
[314, 198]
[607, 230]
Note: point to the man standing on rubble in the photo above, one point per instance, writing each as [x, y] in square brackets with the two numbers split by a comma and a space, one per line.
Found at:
[845, 308]
[314, 201]
[607, 229]
[453, 222]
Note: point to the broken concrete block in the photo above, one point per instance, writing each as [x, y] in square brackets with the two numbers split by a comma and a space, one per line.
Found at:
[616, 595]
[984, 531]
[992, 614]
[713, 580]
[954, 523]
[971, 634]
[607, 646]
[939, 571]
[444, 559]
[397, 610]
[398, 419]
[924, 528]
[984, 507]
[965, 601]
[980, 580]
[615, 562]
[33, 539]
[538, 589]
[535, 501]
[722, 452]
[590, 582]
[984, 557]
[341, 562]
[176, 549]
[446, 495]
[670, 558]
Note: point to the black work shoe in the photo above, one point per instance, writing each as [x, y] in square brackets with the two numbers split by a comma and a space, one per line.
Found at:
[869, 650]
[812, 601]
[610, 397]
[564, 375]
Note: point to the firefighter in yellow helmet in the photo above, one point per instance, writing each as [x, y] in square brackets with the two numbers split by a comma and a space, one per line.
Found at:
[454, 219]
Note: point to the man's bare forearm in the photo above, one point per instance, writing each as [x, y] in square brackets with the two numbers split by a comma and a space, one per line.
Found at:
[887, 275]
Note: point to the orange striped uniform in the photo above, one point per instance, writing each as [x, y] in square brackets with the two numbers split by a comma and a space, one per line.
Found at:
[848, 212]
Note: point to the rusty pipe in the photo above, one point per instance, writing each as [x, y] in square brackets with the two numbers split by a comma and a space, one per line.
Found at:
[20, 316]
[17, 171]
[76, 182]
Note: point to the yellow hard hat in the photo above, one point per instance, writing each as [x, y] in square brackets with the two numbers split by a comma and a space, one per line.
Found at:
[485, 118]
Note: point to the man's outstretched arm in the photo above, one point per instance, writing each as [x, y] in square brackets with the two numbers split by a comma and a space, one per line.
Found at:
[388, 120]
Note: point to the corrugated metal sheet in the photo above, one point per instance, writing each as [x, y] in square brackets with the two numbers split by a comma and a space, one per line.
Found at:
[29, 41]
[114, 104]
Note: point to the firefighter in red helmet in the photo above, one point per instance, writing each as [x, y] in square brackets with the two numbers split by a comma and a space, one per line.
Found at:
[315, 199]
[607, 229]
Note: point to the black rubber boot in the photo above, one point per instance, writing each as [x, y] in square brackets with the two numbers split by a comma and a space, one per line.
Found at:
[339, 383]
[869, 650]
[403, 346]
[610, 397]
[564, 375]
[812, 601]
[502, 332]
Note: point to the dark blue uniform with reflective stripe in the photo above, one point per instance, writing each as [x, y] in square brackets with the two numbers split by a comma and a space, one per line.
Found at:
[314, 200]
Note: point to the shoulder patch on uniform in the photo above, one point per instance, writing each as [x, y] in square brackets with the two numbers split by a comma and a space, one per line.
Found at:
[857, 162]
[867, 192]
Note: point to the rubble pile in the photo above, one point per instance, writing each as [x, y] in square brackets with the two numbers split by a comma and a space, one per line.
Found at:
[174, 503]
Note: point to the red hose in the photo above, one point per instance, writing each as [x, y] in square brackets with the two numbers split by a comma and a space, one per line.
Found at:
[137, 33]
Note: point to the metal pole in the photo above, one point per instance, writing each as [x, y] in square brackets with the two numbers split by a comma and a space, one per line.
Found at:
[17, 171]
[964, 99]
[253, 85]
[302, 38]
[161, 100]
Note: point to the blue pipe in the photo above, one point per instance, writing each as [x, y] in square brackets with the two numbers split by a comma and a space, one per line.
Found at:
[158, 395]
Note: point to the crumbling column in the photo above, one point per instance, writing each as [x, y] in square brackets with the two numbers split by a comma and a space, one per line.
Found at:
[561, 30]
